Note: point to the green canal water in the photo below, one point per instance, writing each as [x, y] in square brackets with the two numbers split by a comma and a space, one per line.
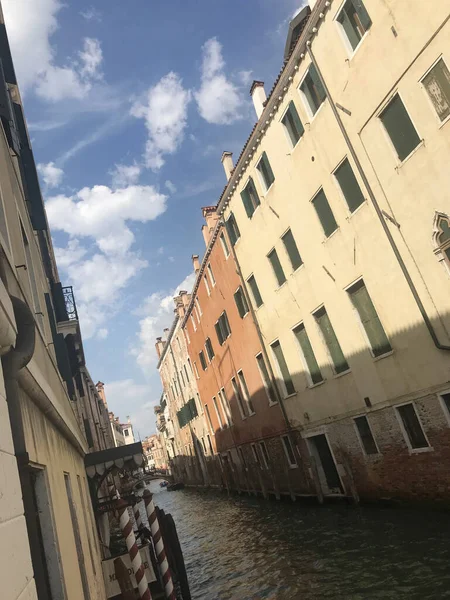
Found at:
[242, 548]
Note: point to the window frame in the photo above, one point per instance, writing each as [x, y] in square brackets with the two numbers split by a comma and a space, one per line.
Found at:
[286, 393]
[242, 458]
[196, 372]
[325, 345]
[302, 263]
[256, 306]
[412, 450]
[239, 398]
[341, 191]
[197, 302]
[386, 132]
[286, 131]
[361, 443]
[209, 421]
[203, 362]
[218, 415]
[256, 455]
[268, 385]
[283, 443]
[205, 279]
[274, 251]
[211, 275]
[327, 236]
[351, 51]
[224, 244]
[210, 358]
[311, 383]
[264, 454]
[428, 71]
[245, 306]
[311, 115]
[250, 181]
[226, 408]
[235, 226]
[245, 393]
[193, 322]
[262, 181]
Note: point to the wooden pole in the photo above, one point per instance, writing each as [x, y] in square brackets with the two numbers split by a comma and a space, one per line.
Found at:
[124, 580]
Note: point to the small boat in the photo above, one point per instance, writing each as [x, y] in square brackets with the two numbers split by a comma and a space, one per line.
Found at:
[173, 487]
[164, 484]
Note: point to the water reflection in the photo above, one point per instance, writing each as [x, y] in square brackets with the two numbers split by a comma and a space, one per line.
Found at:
[243, 548]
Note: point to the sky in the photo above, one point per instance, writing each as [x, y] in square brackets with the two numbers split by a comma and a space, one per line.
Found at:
[129, 107]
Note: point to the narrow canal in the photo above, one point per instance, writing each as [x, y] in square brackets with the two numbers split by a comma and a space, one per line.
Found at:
[243, 548]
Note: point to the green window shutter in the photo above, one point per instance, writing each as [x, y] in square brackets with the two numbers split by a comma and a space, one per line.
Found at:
[233, 230]
[266, 170]
[253, 194]
[324, 213]
[308, 353]
[241, 303]
[279, 356]
[255, 291]
[369, 319]
[194, 410]
[349, 28]
[266, 377]
[247, 203]
[317, 83]
[293, 124]
[334, 348]
[349, 186]
[307, 89]
[362, 13]
[276, 266]
[400, 128]
[226, 324]
[203, 360]
[292, 250]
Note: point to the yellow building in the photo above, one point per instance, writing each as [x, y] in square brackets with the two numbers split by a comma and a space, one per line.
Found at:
[338, 212]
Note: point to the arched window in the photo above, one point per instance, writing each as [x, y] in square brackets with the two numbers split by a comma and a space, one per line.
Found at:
[441, 238]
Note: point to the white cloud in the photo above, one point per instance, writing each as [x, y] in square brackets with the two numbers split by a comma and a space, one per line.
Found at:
[102, 214]
[71, 254]
[157, 312]
[51, 174]
[170, 186]
[126, 398]
[102, 333]
[245, 77]
[91, 14]
[30, 26]
[124, 175]
[218, 99]
[165, 113]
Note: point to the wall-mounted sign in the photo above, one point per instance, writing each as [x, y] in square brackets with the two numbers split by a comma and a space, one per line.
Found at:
[111, 584]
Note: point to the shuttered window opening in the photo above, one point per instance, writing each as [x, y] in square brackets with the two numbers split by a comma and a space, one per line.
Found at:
[186, 372]
[233, 230]
[209, 349]
[325, 214]
[245, 393]
[289, 451]
[265, 171]
[225, 248]
[239, 398]
[355, 21]
[182, 378]
[242, 457]
[264, 454]
[222, 327]
[412, 425]
[225, 406]
[203, 360]
[366, 436]
[349, 185]
[313, 90]
[256, 456]
[399, 127]
[446, 401]
[207, 285]
[276, 266]
[292, 250]
[250, 198]
[210, 425]
[241, 302]
[266, 378]
[361, 300]
[196, 371]
[331, 341]
[211, 275]
[283, 368]
[293, 124]
[308, 354]
[187, 413]
[255, 291]
[437, 85]
[218, 415]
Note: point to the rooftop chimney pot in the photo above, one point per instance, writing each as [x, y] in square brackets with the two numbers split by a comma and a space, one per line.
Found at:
[227, 161]
[196, 263]
[259, 97]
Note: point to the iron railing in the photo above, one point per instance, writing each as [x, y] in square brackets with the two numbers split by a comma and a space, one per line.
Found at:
[69, 300]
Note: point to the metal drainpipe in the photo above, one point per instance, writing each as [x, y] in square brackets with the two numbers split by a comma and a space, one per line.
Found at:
[374, 201]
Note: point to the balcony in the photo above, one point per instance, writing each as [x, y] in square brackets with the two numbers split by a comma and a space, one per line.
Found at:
[69, 301]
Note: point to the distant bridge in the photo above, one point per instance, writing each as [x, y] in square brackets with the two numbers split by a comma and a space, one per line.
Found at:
[153, 477]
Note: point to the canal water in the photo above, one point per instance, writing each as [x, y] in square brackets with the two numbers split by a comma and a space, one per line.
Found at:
[242, 548]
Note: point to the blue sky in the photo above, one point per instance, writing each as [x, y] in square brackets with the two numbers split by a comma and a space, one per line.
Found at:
[129, 106]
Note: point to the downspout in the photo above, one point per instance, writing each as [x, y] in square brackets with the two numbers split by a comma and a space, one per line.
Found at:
[377, 208]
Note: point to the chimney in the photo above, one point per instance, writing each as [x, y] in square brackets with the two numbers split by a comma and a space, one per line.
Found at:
[196, 263]
[166, 331]
[179, 309]
[211, 217]
[259, 97]
[185, 298]
[159, 346]
[227, 161]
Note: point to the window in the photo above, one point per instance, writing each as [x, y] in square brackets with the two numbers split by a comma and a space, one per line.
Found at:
[207, 285]
[293, 125]
[204, 446]
[242, 457]
[209, 349]
[325, 214]
[355, 21]
[266, 378]
[238, 396]
[32, 279]
[265, 172]
[179, 343]
[256, 455]
[399, 127]
[211, 275]
[292, 250]
[216, 408]
[331, 341]
[376, 335]
[187, 335]
[255, 291]
[222, 327]
[309, 358]
[225, 406]
[250, 198]
[233, 230]
[412, 426]
[244, 389]
[126, 433]
[312, 90]
[349, 185]
[186, 373]
[193, 323]
[283, 368]
[437, 85]
[182, 378]
[224, 244]
[241, 302]
[276, 266]
[203, 360]
[199, 403]
[446, 401]
[208, 416]
[289, 451]
[190, 365]
[199, 308]
[264, 454]
[209, 444]
[365, 435]
[196, 371]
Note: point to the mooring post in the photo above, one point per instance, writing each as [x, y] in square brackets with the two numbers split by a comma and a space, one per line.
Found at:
[159, 546]
[136, 562]
[137, 515]
[124, 580]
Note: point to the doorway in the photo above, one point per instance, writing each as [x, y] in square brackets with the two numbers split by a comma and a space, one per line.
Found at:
[328, 473]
